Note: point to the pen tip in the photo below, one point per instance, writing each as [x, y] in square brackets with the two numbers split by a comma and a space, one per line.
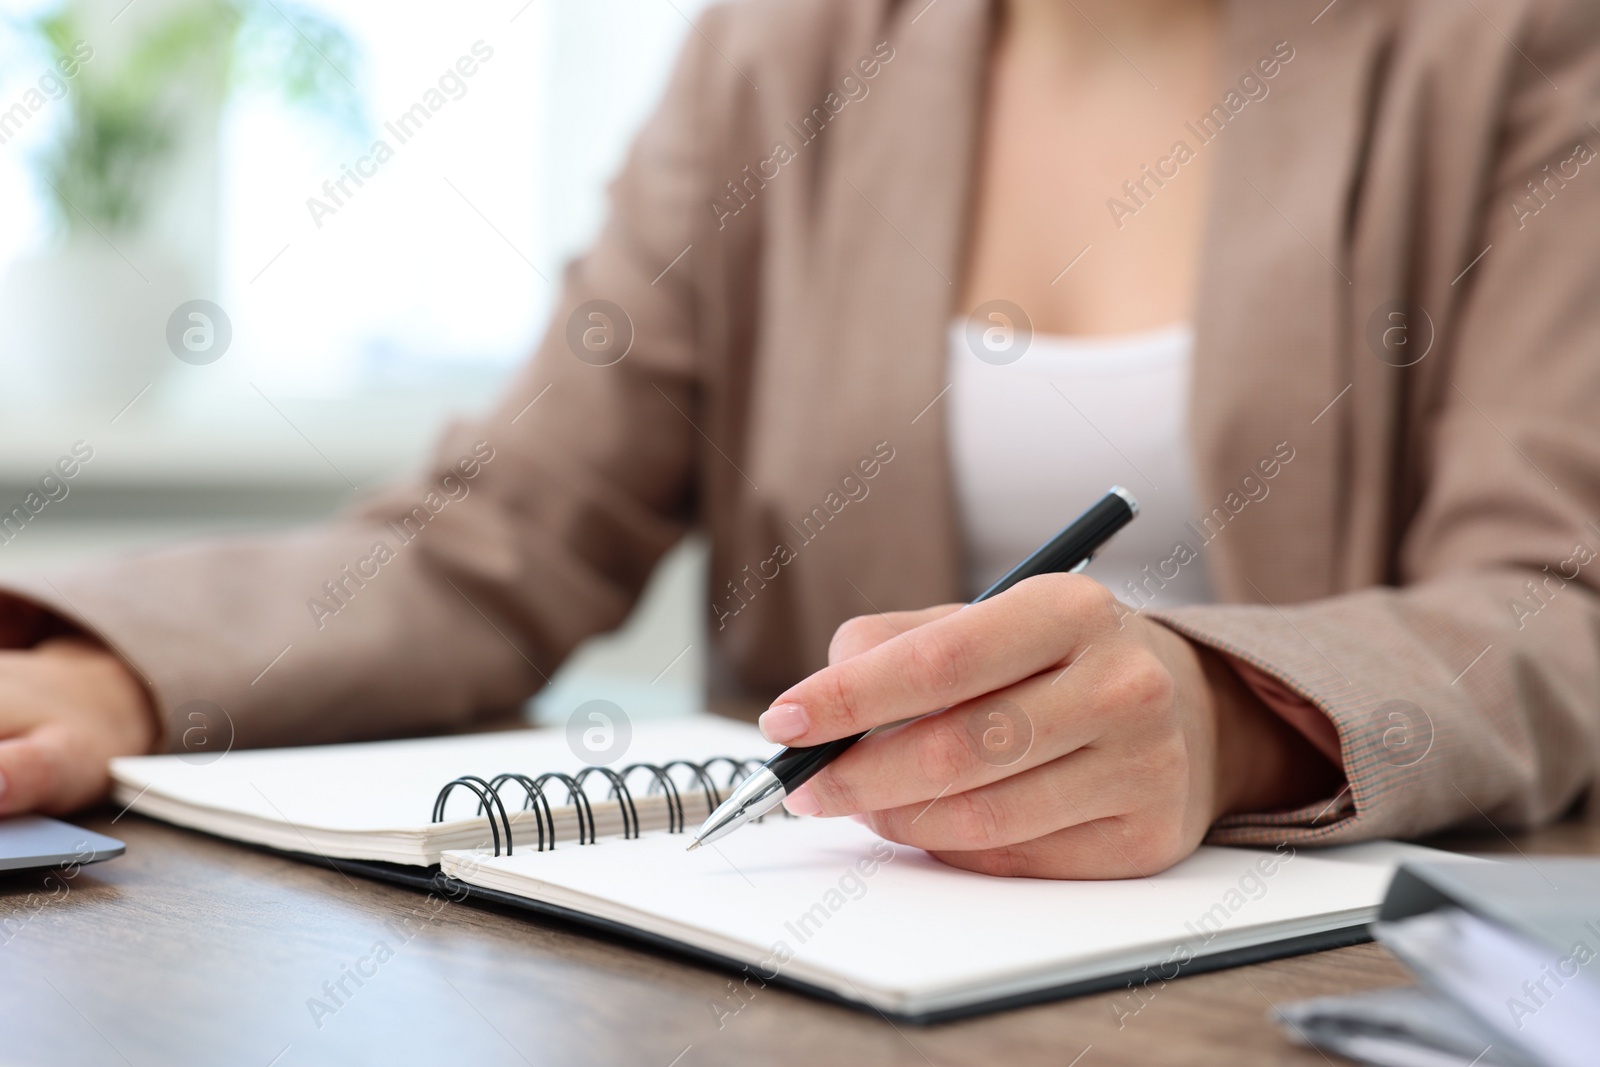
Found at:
[693, 845]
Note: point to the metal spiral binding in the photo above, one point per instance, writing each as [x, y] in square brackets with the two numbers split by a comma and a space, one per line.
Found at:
[484, 793]
[535, 799]
[618, 789]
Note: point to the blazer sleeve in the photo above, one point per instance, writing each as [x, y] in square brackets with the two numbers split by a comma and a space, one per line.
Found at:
[536, 525]
[1470, 692]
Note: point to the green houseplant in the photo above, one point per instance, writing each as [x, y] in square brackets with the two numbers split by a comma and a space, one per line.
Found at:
[124, 110]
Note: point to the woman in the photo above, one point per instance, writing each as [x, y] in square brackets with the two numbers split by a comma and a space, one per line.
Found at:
[1305, 277]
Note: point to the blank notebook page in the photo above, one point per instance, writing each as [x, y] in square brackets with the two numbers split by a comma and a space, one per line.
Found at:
[915, 935]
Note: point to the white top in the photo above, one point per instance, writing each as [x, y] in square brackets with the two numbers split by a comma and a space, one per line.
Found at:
[1037, 440]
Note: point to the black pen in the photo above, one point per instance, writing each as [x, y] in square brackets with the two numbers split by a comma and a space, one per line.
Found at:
[1069, 550]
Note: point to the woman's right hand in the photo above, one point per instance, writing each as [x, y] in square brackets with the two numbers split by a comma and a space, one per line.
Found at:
[67, 705]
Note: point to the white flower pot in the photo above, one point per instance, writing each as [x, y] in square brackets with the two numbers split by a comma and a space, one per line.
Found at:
[82, 326]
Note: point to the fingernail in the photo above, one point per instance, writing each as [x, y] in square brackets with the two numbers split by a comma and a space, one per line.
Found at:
[802, 802]
[783, 723]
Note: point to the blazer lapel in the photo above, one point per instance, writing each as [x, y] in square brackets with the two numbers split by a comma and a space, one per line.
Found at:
[1271, 359]
[866, 364]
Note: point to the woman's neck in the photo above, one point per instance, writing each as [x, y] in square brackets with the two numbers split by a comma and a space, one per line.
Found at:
[1078, 37]
[1083, 95]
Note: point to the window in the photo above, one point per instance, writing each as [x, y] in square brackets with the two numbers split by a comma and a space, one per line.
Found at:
[417, 260]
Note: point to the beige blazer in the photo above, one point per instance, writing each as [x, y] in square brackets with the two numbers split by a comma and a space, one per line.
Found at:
[1421, 570]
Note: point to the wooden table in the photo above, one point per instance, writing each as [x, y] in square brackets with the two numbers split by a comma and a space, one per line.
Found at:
[192, 950]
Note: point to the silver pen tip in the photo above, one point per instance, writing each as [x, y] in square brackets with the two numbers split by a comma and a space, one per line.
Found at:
[693, 845]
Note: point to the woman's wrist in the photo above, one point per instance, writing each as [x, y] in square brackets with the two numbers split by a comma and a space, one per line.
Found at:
[107, 688]
[108, 682]
[1262, 762]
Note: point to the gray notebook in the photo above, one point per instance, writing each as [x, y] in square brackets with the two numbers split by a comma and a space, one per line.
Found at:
[28, 842]
[1508, 960]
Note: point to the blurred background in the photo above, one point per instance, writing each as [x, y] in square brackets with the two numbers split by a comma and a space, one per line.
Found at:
[154, 153]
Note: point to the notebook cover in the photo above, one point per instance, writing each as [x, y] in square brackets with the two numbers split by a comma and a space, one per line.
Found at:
[430, 879]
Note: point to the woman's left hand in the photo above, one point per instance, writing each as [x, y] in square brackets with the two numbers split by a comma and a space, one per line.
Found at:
[1076, 739]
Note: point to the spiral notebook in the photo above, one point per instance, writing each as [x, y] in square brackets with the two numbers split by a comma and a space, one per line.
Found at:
[822, 905]
[376, 800]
